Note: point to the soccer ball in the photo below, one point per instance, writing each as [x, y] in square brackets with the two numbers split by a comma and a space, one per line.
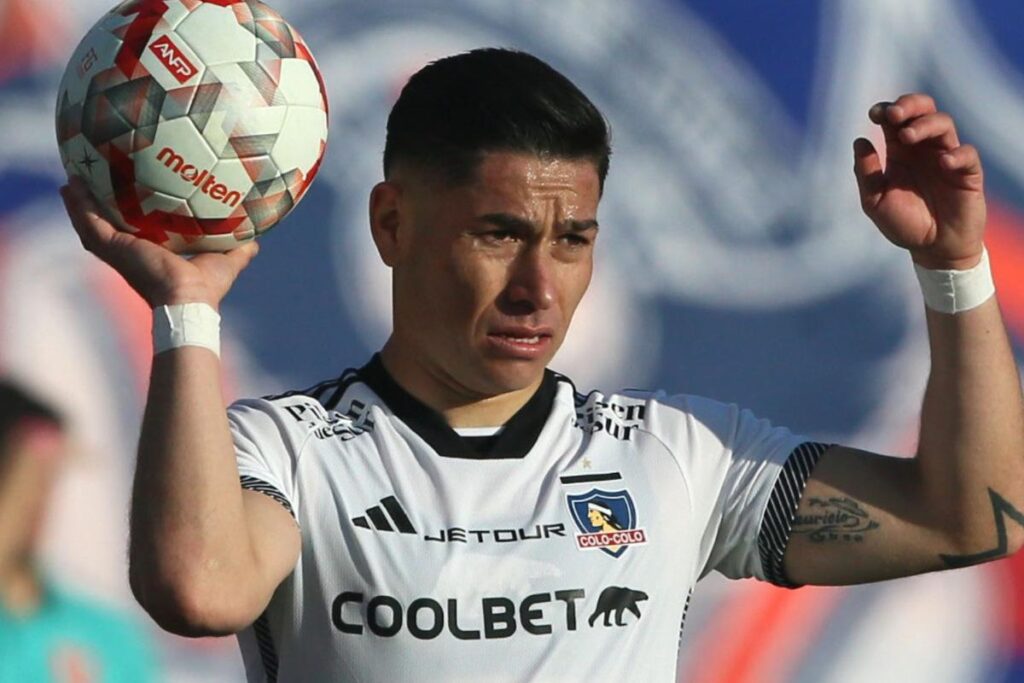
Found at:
[196, 124]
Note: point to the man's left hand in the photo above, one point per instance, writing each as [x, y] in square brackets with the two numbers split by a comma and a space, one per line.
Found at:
[927, 198]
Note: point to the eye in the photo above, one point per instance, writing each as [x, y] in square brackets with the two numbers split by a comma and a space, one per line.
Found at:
[574, 239]
[499, 236]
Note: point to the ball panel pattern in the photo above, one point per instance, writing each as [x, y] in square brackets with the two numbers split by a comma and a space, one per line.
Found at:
[165, 203]
[299, 85]
[267, 201]
[288, 151]
[244, 94]
[98, 48]
[122, 109]
[261, 122]
[214, 33]
[86, 162]
[269, 28]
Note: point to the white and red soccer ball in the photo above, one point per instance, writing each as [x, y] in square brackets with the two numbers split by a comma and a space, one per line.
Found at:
[198, 124]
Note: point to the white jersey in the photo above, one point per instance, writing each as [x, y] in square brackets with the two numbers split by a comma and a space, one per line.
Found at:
[563, 548]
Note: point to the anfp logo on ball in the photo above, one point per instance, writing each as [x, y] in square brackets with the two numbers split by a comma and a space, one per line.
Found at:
[173, 58]
[607, 520]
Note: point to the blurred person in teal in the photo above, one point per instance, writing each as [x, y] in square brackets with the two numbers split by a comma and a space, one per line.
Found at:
[46, 632]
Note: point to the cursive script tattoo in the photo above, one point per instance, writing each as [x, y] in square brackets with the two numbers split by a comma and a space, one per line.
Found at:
[834, 519]
[1001, 509]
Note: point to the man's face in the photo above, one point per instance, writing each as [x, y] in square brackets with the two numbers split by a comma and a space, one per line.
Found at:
[488, 274]
[31, 459]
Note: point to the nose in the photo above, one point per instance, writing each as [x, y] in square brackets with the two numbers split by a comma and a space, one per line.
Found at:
[531, 282]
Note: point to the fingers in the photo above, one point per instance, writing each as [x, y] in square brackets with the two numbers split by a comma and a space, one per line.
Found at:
[243, 255]
[86, 217]
[936, 130]
[879, 114]
[238, 259]
[230, 262]
[914, 120]
[964, 162]
[220, 270]
[904, 108]
[157, 274]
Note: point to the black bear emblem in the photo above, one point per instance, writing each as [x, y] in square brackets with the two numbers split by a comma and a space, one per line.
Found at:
[617, 599]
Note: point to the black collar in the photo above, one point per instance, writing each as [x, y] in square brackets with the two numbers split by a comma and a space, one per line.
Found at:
[514, 441]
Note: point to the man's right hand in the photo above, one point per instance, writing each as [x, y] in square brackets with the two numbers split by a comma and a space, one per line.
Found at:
[160, 276]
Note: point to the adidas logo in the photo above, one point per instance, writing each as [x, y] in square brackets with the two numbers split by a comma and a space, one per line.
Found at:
[378, 516]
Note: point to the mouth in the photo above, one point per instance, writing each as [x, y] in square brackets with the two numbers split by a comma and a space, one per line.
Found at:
[520, 343]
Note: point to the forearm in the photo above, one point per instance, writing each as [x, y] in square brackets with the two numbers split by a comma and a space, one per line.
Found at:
[972, 429]
[959, 501]
[189, 538]
[194, 565]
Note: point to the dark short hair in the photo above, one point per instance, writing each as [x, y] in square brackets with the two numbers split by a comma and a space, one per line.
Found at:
[492, 100]
[17, 404]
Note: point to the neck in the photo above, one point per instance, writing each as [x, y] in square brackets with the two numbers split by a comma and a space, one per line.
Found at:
[21, 591]
[460, 405]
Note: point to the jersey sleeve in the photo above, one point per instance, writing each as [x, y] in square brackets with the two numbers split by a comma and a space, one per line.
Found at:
[266, 447]
[748, 476]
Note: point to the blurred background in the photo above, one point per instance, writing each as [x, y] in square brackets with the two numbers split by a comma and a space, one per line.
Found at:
[733, 262]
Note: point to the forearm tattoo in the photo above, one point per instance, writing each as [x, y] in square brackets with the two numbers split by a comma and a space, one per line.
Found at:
[1001, 509]
[834, 519]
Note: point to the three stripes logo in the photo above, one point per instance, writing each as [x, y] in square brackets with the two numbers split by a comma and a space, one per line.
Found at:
[388, 516]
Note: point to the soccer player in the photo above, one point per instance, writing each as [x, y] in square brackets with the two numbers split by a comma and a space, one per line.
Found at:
[48, 633]
[428, 515]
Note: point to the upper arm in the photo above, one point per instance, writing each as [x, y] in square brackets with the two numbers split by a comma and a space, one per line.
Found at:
[225, 590]
[866, 517]
[746, 474]
[266, 454]
[276, 543]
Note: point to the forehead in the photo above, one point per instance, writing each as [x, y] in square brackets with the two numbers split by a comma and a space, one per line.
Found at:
[516, 178]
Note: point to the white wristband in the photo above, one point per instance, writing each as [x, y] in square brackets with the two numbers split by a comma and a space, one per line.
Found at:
[955, 291]
[180, 325]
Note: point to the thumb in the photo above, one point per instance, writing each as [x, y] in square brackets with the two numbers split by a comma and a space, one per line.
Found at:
[239, 258]
[243, 255]
[867, 168]
[221, 270]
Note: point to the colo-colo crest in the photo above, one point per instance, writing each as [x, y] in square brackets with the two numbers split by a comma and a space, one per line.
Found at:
[607, 520]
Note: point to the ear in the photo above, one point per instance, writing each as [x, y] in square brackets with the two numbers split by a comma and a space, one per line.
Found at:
[385, 219]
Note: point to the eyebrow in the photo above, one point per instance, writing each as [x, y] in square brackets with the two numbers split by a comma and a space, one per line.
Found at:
[509, 222]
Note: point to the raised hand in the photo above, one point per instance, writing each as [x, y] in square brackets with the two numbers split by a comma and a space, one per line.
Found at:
[157, 274]
[929, 198]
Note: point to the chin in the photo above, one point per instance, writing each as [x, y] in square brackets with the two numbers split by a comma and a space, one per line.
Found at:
[504, 376]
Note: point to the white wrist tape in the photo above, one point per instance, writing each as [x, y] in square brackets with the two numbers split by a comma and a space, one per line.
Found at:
[186, 325]
[955, 291]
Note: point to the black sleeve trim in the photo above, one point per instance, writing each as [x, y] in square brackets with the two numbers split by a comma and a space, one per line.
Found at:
[777, 524]
[265, 642]
[260, 486]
